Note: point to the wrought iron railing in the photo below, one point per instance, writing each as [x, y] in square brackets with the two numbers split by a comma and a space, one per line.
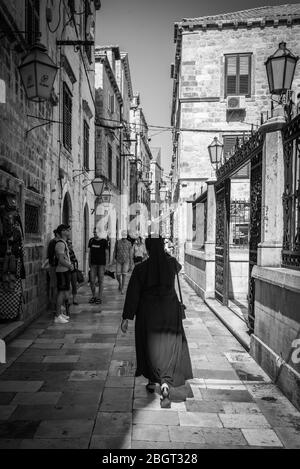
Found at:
[291, 195]
[244, 151]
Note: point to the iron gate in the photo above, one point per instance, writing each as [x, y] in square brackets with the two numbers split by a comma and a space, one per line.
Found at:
[251, 150]
[255, 228]
[222, 245]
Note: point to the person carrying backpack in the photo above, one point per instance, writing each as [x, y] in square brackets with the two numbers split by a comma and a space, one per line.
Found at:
[52, 261]
[64, 268]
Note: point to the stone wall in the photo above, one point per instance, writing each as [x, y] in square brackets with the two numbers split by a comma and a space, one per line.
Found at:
[277, 325]
[38, 158]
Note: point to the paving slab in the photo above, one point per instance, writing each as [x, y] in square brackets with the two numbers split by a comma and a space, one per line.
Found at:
[65, 429]
[150, 432]
[20, 386]
[244, 421]
[110, 442]
[113, 423]
[164, 417]
[199, 419]
[36, 398]
[262, 437]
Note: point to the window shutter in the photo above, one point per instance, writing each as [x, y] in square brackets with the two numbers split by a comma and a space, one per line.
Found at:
[229, 142]
[244, 78]
[231, 75]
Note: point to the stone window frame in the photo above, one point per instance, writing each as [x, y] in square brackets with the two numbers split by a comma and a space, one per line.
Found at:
[36, 200]
[251, 67]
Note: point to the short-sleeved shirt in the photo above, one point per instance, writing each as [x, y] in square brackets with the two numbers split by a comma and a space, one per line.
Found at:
[61, 247]
[123, 250]
[98, 251]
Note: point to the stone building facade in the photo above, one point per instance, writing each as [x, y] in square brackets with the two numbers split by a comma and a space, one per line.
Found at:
[38, 162]
[218, 58]
[141, 158]
[156, 175]
[113, 98]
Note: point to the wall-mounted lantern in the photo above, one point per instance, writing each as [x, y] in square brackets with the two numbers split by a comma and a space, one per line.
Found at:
[215, 150]
[281, 69]
[38, 72]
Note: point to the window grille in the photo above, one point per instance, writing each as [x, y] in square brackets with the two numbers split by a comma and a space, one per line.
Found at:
[86, 144]
[238, 75]
[109, 157]
[67, 117]
[31, 219]
[32, 20]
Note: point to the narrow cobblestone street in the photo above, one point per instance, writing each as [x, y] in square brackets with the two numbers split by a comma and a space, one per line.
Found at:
[73, 386]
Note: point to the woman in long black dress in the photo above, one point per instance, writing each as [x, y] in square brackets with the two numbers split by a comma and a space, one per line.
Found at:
[161, 347]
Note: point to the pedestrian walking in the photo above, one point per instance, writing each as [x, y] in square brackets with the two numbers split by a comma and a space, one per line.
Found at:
[52, 261]
[74, 262]
[98, 256]
[161, 346]
[64, 268]
[139, 251]
[124, 259]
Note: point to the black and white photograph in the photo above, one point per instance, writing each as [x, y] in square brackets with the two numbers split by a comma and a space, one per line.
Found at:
[149, 229]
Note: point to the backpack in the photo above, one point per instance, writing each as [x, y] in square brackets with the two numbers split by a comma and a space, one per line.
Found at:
[53, 260]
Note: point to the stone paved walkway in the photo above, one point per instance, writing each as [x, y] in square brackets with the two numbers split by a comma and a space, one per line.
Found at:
[73, 386]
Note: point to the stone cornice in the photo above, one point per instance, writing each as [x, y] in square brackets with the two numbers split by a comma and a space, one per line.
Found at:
[102, 58]
[125, 61]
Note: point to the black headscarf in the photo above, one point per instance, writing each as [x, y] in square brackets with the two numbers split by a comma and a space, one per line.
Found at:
[158, 270]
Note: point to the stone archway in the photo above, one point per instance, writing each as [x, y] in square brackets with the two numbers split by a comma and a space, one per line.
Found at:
[67, 210]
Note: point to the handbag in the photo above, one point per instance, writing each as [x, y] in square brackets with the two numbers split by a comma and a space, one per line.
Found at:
[80, 276]
[182, 305]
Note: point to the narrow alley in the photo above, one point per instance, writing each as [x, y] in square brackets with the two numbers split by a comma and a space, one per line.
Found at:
[72, 386]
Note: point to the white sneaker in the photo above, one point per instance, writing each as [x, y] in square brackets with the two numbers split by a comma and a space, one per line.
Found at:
[64, 316]
[60, 319]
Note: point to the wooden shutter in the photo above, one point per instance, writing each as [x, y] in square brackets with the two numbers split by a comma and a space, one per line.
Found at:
[86, 142]
[231, 75]
[244, 75]
[109, 150]
[238, 75]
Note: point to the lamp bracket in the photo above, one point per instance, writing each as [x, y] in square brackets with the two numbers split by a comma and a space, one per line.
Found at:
[75, 43]
[48, 121]
[83, 171]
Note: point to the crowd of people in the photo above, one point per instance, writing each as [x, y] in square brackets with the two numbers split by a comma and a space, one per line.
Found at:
[151, 299]
[63, 269]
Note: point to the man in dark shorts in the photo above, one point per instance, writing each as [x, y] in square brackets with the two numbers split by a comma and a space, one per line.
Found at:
[63, 272]
[98, 255]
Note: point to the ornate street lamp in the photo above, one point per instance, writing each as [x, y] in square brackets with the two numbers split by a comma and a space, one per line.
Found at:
[98, 185]
[281, 69]
[163, 193]
[38, 72]
[106, 195]
[215, 150]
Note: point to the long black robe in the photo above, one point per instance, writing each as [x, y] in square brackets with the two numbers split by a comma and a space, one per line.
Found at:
[161, 346]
